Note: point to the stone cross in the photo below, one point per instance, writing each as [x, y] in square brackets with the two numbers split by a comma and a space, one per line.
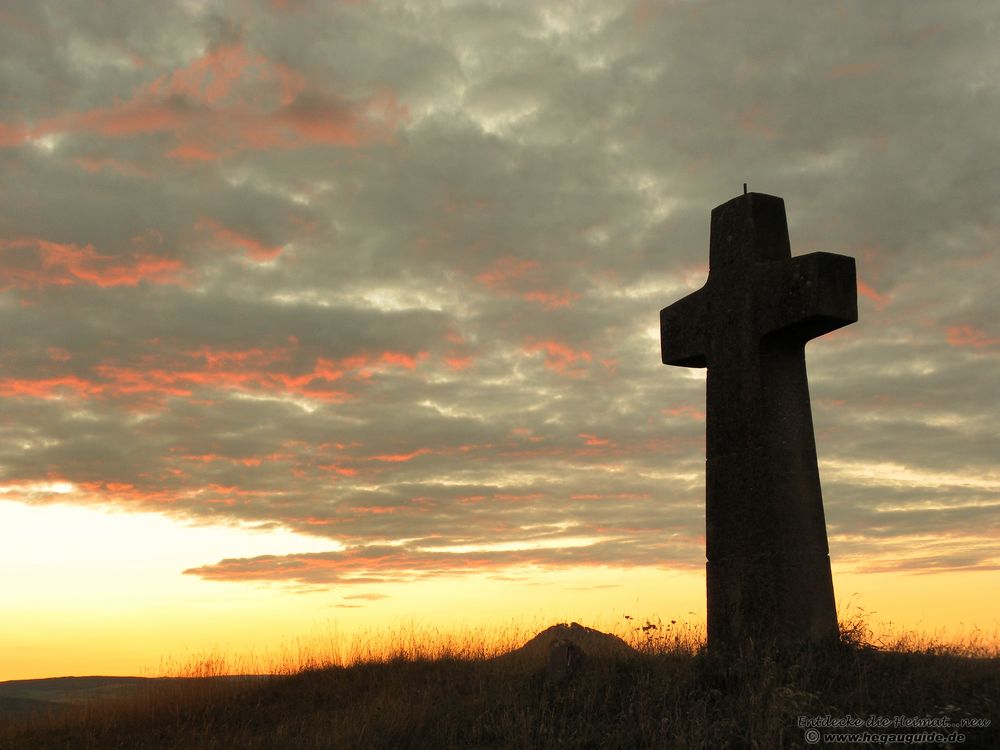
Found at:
[768, 567]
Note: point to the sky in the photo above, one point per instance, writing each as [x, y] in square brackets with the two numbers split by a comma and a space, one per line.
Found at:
[330, 316]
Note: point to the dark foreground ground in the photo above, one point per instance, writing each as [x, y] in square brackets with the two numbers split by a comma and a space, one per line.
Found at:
[656, 699]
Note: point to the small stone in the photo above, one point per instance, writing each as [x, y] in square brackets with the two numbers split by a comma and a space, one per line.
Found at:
[565, 660]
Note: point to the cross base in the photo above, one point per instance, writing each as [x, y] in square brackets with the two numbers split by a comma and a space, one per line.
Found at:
[771, 600]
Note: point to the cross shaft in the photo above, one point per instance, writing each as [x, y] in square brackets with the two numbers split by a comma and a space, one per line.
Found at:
[768, 566]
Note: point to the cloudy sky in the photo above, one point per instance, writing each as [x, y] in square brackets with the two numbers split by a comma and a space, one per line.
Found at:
[324, 302]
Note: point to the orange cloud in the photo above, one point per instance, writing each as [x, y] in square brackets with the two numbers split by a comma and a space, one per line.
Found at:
[48, 387]
[560, 357]
[99, 164]
[457, 356]
[401, 457]
[327, 119]
[156, 377]
[643, 12]
[522, 498]
[690, 412]
[368, 564]
[511, 275]
[365, 365]
[503, 271]
[865, 290]
[175, 382]
[190, 152]
[752, 121]
[971, 337]
[226, 237]
[364, 565]
[552, 300]
[32, 263]
[12, 135]
[216, 358]
[614, 496]
[401, 359]
[459, 363]
[231, 100]
[344, 471]
[248, 461]
[127, 492]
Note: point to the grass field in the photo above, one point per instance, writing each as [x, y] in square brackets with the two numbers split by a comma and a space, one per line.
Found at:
[427, 690]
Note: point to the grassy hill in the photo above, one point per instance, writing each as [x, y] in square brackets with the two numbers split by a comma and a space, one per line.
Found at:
[666, 693]
[64, 691]
[60, 695]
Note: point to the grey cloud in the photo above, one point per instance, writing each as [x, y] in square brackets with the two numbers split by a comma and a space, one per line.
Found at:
[548, 193]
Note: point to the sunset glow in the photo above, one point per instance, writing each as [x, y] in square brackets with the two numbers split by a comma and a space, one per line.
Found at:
[328, 318]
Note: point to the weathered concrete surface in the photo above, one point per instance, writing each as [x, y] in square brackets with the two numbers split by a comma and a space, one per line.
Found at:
[768, 560]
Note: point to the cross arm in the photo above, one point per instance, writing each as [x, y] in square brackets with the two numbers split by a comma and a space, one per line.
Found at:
[683, 331]
[816, 294]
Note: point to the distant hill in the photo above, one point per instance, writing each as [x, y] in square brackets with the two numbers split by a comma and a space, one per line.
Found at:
[14, 706]
[22, 697]
[19, 697]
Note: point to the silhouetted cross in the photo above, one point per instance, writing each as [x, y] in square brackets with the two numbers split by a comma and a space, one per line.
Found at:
[768, 560]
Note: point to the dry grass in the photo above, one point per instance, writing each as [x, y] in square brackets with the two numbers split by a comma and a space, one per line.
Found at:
[417, 689]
